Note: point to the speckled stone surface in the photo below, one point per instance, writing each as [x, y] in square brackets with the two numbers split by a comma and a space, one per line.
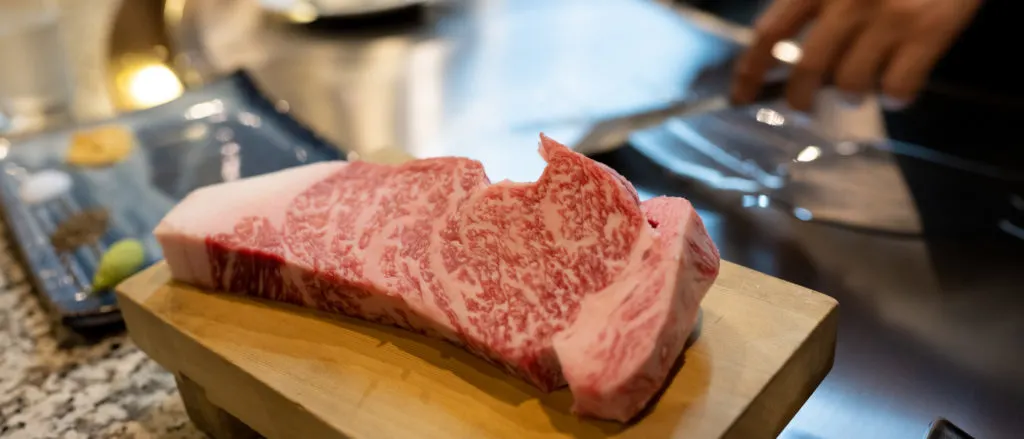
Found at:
[109, 389]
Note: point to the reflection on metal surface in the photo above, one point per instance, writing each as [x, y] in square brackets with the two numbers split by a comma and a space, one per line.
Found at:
[252, 120]
[809, 154]
[770, 117]
[693, 166]
[613, 133]
[206, 109]
[725, 156]
[787, 52]
[761, 201]
[231, 162]
[307, 11]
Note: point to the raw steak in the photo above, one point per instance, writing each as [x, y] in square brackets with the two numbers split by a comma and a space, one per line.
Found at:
[569, 280]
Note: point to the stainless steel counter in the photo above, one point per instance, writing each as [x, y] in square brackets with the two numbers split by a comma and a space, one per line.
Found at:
[929, 327]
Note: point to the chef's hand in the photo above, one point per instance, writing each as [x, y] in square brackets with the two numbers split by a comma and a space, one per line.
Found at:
[861, 44]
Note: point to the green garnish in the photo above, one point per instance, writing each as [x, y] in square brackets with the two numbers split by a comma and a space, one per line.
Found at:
[121, 260]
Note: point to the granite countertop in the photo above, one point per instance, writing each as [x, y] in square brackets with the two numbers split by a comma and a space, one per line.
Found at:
[108, 389]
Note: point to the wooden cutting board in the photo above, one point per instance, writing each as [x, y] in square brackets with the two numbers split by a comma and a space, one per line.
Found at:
[245, 365]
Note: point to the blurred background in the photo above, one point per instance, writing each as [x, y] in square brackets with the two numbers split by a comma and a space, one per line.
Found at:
[913, 220]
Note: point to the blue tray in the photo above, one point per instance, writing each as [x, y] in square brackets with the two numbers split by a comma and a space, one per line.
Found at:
[226, 130]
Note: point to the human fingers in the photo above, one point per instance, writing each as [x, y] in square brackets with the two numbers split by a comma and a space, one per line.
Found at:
[782, 19]
[915, 58]
[907, 73]
[857, 73]
[826, 41]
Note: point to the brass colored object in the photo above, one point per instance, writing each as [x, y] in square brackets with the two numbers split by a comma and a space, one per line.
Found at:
[144, 66]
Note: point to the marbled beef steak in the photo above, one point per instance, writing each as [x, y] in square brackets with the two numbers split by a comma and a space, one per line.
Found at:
[568, 280]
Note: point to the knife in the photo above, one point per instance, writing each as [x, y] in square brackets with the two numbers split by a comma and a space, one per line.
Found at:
[611, 134]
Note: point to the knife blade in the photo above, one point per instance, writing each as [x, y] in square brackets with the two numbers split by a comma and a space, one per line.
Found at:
[612, 133]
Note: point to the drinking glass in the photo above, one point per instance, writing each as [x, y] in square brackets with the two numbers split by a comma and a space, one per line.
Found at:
[34, 82]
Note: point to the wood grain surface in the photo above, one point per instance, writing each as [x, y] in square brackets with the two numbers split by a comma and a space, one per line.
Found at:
[291, 373]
